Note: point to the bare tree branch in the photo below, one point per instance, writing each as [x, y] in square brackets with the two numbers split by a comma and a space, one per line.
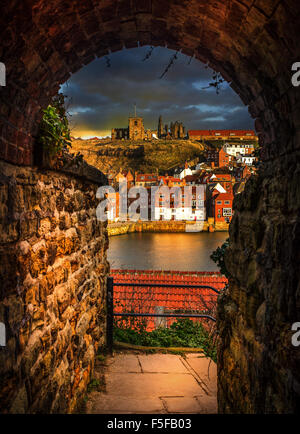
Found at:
[148, 54]
[171, 62]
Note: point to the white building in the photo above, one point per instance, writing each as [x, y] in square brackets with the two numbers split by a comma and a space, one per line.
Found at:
[245, 159]
[186, 171]
[238, 148]
[186, 214]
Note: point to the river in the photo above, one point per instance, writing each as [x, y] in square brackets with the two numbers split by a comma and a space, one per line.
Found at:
[165, 251]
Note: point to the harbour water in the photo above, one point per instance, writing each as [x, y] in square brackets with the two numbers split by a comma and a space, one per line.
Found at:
[165, 251]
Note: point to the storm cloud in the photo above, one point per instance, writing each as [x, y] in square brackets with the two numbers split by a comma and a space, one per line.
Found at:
[102, 97]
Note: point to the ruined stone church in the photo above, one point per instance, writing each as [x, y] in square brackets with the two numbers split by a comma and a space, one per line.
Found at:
[136, 130]
[176, 130]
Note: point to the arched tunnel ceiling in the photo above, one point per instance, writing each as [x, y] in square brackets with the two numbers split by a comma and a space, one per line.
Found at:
[44, 42]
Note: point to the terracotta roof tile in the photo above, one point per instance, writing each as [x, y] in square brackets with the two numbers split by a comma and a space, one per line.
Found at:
[147, 298]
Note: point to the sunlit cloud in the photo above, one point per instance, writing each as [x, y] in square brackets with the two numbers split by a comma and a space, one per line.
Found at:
[215, 119]
[76, 110]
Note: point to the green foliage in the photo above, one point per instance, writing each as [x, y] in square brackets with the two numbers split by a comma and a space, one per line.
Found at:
[182, 333]
[54, 132]
[93, 385]
[218, 257]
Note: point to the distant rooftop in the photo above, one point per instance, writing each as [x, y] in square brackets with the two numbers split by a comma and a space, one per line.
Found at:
[216, 133]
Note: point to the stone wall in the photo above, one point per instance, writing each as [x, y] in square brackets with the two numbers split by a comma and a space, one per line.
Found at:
[165, 226]
[258, 366]
[53, 270]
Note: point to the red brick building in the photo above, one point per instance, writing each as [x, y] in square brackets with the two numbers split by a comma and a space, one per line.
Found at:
[222, 206]
[218, 158]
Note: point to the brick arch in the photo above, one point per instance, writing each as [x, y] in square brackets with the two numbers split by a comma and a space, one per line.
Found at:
[253, 43]
[43, 43]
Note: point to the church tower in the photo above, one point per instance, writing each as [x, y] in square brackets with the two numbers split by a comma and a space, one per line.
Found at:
[136, 127]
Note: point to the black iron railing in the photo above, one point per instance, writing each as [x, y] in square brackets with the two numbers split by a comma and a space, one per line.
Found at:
[110, 305]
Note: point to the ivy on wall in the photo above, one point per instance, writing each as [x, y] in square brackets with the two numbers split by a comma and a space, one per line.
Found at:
[218, 257]
[54, 132]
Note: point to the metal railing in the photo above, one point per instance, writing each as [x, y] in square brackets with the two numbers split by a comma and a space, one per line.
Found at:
[111, 313]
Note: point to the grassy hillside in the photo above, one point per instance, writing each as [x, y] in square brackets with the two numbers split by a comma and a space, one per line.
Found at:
[158, 155]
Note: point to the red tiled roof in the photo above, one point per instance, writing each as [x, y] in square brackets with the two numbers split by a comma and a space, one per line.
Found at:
[222, 177]
[173, 179]
[146, 299]
[221, 133]
[224, 196]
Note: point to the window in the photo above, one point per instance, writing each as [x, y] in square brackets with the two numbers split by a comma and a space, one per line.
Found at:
[219, 202]
[227, 202]
[227, 212]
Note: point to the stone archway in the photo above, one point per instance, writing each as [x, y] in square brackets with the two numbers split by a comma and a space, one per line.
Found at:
[253, 43]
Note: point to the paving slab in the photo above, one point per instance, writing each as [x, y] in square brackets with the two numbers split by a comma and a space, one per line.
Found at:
[144, 385]
[162, 363]
[105, 404]
[206, 369]
[124, 363]
[157, 384]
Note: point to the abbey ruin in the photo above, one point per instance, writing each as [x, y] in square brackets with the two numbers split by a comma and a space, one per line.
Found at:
[136, 130]
[176, 130]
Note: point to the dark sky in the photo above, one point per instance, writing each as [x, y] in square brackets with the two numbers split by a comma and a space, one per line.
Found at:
[102, 98]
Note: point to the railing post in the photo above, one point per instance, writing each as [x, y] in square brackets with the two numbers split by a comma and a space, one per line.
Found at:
[110, 314]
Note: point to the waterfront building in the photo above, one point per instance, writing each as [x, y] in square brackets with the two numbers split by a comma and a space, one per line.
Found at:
[219, 203]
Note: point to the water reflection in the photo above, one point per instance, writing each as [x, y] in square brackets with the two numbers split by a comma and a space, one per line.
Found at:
[184, 252]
